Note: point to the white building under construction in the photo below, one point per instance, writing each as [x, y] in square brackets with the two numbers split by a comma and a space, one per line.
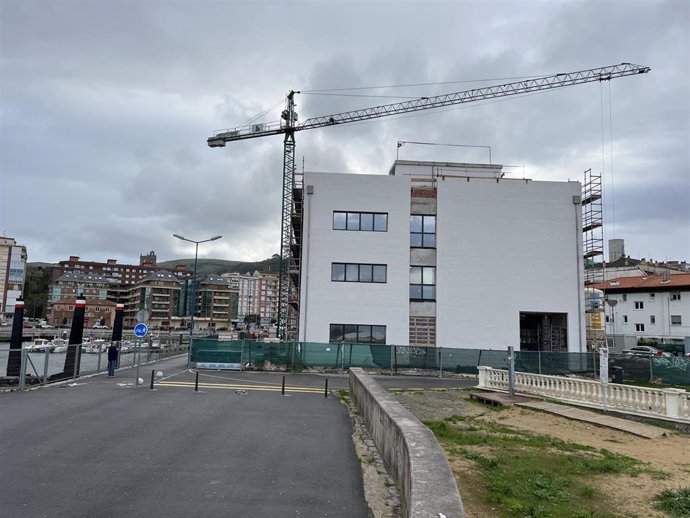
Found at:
[441, 254]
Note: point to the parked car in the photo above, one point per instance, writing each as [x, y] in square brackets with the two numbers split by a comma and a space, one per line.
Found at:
[645, 350]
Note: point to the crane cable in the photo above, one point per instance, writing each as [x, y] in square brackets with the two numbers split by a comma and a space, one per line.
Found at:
[419, 84]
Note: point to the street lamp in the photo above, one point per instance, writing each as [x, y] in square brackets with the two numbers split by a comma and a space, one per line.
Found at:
[193, 305]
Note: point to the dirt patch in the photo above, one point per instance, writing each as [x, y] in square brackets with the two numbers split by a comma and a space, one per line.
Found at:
[666, 460]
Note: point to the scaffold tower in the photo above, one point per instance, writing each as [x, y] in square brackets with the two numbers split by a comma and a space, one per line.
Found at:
[592, 227]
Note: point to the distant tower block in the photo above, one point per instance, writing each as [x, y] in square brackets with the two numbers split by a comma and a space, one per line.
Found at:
[616, 249]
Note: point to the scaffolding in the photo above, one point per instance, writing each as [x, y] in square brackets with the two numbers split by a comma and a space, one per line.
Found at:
[291, 320]
[592, 227]
[593, 254]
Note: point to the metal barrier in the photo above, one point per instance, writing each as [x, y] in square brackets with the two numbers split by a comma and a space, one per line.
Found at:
[36, 368]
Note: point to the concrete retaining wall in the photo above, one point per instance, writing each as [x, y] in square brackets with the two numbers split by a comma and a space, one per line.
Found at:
[410, 450]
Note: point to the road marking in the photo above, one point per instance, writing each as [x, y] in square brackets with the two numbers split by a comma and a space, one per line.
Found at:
[227, 386]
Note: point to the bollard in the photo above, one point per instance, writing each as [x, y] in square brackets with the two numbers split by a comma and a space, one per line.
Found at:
[196, 382]
[325, 390]
[153, 373]
[282, 390]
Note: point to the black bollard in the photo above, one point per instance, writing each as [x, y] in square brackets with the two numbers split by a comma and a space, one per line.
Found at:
[196, 383]
[152, 374]
[282, 390]
[325, 390]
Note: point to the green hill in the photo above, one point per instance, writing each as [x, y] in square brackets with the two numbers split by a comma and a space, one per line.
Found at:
[219, 266]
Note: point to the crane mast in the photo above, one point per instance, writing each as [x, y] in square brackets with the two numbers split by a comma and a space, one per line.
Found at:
[289, 283]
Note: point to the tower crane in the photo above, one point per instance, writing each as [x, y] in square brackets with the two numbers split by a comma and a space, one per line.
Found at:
[288, 291]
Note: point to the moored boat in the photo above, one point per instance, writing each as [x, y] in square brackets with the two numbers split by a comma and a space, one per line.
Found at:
[39, 345]
[59, 345]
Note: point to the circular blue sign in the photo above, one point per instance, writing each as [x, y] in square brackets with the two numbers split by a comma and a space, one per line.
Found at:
[141, 329]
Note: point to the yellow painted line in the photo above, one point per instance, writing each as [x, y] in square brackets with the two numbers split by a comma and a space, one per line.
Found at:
[184, 384]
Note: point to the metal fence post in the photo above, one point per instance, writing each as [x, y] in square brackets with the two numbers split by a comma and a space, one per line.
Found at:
[651, 369]
[539, 359]
[22, 369]
[392, 355]
[511, 372]
[45, 367]
[440, 367]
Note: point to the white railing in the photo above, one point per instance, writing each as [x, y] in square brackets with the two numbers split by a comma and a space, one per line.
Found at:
[667, 403]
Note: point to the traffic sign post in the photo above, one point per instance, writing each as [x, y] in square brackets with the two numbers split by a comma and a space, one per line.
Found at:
[140, 331]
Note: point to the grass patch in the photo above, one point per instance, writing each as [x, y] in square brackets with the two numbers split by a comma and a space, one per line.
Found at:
[675, 502]
[529, 475]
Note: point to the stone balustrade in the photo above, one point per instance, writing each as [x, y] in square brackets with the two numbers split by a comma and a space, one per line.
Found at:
[665, 403]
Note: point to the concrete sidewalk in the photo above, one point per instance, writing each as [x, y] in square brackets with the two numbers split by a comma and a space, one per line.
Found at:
[571, 412]
[608, 421]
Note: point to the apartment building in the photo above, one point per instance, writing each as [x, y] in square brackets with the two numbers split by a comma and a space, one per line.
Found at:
[434, 254]
[99, 291]
[257, 295]
[125, 274]
[12, 274]
[649, 306]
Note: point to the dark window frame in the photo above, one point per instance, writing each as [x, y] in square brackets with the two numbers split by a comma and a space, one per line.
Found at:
[372, 269]
[364, 330]
[423, 284]
[377, 218]
[420, 238]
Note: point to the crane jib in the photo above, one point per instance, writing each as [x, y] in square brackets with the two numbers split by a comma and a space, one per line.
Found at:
[427, 103]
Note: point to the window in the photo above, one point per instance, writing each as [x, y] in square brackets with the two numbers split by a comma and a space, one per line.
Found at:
[625, 319]
[423, 231]
[675, 296]
[364, 221]
[625, 297]
[639, 304]
[639, 327]
[422, 283]
[652, 319]
[676, 320]
[351, 272]
[357, 333]
[651, 296]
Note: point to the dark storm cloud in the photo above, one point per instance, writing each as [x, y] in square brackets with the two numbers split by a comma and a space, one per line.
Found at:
[106, 107]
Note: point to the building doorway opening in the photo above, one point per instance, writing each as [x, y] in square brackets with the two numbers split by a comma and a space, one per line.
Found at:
[543, 332]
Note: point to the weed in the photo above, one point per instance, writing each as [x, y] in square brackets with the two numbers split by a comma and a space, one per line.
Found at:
[676, 502]
[530, 475]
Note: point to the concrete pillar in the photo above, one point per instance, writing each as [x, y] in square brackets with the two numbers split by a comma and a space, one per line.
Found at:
[482, 376]
[673, 400]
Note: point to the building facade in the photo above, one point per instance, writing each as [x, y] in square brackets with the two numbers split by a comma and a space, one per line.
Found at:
[649, 306]
[433, 254]
[125, 274]
[12, 274]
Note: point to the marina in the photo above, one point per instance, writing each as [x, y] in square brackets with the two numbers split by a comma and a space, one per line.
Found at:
[94, 356]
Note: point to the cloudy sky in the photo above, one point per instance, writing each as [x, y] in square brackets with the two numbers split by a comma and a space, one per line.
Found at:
[105, 107]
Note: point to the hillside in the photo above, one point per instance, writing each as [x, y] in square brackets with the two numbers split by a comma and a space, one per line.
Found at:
[219, 266]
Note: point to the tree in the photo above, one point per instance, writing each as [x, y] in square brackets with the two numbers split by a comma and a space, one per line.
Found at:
[36, 291]
[252, 319]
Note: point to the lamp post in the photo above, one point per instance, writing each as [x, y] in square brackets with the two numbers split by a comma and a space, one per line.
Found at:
[193, 304]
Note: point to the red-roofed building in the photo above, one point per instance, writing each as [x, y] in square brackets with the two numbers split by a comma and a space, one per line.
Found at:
[651, 306]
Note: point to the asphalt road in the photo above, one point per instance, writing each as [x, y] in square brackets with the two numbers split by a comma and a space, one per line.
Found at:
[105, 448]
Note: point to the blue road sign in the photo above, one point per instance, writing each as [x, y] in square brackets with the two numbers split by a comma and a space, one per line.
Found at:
[140, 330]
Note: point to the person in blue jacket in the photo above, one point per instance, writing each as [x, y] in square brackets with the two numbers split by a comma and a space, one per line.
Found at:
[112, 359]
